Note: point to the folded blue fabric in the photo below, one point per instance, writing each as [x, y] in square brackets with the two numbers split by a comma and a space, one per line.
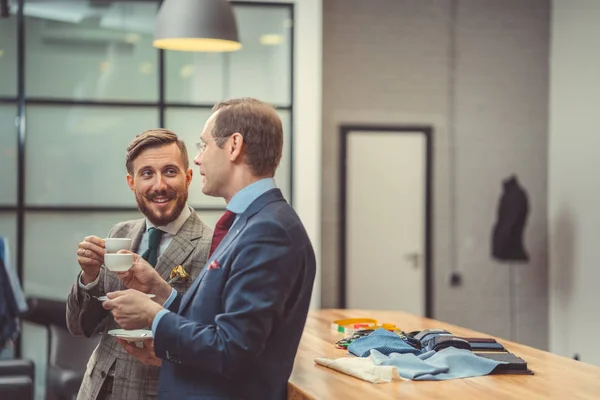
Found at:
[383, 341]
[449, 363]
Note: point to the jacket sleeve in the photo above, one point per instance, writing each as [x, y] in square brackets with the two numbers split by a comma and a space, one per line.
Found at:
[261, 277]
[174, 306]
[85, 314]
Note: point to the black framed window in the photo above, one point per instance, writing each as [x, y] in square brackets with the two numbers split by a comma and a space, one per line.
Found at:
[8, 154]
[86, 51]
[79, 80]
[85, 80]
[8, 57]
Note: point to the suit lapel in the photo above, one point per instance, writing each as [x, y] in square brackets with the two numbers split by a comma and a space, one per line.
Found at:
[237, 228]
[181, 246]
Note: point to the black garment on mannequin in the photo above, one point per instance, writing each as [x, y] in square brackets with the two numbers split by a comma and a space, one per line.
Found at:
[507, 237]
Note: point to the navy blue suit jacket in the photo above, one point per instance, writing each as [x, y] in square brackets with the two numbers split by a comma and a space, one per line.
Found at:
[236, 331]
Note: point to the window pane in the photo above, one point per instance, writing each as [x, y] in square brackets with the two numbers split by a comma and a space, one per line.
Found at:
[262, 68]
[8, 230]
[282, 175]
[50, 266]
[8, 54]
[195, 78]
[76, 155]
[188, 124]
[8, 153]
[34, 345]
[80, 50]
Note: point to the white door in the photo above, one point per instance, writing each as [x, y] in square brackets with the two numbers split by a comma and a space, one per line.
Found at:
[385, 221]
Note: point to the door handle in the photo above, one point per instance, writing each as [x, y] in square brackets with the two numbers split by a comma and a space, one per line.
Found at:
[414, 259]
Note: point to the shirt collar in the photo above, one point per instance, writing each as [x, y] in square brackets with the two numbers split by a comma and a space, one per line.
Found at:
[242, 199]
[174, 226]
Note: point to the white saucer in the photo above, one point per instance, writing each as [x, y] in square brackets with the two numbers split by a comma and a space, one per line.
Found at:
[104, 298]
[134, 335]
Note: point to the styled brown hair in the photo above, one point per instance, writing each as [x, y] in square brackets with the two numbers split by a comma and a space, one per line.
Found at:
[151, 139]
[260, 127]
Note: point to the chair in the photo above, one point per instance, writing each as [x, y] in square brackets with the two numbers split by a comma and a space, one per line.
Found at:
[16, 379]
[67, 354]
[16, 376]
[18, 387]
[17, 367]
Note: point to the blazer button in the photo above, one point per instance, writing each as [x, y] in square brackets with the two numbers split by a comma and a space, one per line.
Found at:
[103, 374]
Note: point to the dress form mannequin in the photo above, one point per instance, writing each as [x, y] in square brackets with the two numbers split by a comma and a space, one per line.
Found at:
[507, 237]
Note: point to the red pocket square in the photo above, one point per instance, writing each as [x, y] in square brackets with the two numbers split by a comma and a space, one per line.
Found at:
[214, 265]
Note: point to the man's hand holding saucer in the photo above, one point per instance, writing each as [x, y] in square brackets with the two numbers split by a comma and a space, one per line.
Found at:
[131, 308]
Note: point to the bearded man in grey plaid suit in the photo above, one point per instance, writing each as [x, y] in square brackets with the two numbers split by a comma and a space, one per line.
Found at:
[159, 175]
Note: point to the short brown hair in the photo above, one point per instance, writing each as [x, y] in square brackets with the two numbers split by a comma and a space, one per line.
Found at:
[260, 126]
[151, 139]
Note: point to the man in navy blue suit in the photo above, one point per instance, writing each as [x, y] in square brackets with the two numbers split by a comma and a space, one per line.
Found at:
[235, 333]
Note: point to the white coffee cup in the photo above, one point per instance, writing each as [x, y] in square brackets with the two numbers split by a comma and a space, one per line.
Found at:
[113, 245]
[118, 262]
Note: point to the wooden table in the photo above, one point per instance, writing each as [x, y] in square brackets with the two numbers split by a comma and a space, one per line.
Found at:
[555, 377]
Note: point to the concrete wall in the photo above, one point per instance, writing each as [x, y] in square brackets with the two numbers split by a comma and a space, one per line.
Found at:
[574, 215]
[477, 71]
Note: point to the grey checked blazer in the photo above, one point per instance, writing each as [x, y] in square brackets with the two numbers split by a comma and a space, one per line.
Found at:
[86, 317]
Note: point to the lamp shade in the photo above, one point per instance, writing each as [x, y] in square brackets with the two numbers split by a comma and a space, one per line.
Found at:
[196, 25]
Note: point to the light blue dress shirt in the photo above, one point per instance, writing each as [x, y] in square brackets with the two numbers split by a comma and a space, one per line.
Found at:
[238, 204]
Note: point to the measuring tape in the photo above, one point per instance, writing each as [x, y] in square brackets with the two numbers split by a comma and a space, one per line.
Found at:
[350, 325]
[389, 327]
[347, 324]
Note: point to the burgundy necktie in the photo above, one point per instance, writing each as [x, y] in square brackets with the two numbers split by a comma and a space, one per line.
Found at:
[221, 229]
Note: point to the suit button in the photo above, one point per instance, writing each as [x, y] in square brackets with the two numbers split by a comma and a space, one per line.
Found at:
[103, 374]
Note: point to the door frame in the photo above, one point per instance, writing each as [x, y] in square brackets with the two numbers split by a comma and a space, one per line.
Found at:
[427, 131]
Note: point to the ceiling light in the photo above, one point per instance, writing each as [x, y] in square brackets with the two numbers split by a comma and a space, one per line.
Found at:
[270, 39]
[146, 68]
[1, 52]
[104, 65]
[186, 71]
[132, 38]
[196, 25]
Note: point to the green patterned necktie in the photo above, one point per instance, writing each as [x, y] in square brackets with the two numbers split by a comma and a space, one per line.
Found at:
[151, 254]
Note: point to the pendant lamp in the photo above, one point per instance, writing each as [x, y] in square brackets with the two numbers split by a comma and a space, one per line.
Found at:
[196, 25]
